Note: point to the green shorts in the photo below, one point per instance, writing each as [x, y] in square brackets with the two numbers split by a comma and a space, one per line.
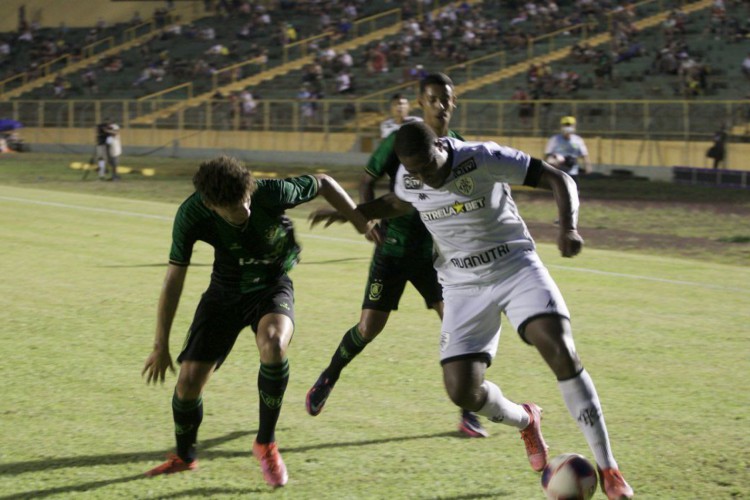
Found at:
[221, 315]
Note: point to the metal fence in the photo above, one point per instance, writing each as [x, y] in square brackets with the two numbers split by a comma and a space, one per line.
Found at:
[657, 120]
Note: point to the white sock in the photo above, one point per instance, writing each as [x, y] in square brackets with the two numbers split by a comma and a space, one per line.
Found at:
[102, 170]
[502, 410]
[583, 404]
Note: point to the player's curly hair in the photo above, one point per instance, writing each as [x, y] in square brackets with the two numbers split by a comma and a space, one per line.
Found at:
[224, 181]
[413, 139]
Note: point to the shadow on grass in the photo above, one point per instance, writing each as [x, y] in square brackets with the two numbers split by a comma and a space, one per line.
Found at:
[204, 450]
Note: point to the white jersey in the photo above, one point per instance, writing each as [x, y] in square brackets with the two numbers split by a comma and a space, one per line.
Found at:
[389, 126]
[574, 147]
[478, 234]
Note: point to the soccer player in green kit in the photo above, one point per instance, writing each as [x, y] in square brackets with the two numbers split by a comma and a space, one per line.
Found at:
[254, 249]
[404, 256]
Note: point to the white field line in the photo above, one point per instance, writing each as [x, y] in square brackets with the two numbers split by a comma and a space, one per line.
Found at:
[126, 213]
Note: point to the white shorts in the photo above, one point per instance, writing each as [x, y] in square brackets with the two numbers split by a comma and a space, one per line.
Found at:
[471, 318]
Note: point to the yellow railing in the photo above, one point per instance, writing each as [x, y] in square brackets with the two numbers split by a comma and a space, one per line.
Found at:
[358, 29]
[13, 79]
[47, 68]
[303, 46]
[233, 73]
[132, 32]
[188, 86]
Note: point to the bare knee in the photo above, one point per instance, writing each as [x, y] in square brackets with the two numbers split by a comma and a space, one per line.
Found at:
[371, 323]
[464, 383]
[274, 334]
[553, 338]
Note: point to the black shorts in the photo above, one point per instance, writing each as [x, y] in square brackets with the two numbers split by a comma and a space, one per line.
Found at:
[221, 315]
[388, 278]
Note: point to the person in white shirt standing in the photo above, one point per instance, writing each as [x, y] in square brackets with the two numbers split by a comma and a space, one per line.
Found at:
[567, 150]
[487, 264]
[399, 115]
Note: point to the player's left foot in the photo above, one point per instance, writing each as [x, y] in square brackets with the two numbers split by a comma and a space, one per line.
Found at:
[318, 394]
[274, 470]
[536, 449]
[172, 465]
[471, 426]
[614, 485]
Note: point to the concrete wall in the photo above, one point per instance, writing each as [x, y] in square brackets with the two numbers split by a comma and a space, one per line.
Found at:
[82, 13]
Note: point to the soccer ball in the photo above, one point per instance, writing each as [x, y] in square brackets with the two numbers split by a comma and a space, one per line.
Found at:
[569, 477]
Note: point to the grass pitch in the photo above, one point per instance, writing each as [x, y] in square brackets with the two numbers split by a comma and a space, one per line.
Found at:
[665, 339]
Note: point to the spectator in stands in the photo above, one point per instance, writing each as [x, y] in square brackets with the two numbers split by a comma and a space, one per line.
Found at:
[249, 107]
[90, 85]
[717, 152]
[567, 151]
[746, 66]
[602, 69]
[525, 107]
[344, 83]
[399, 115]
[308, 106]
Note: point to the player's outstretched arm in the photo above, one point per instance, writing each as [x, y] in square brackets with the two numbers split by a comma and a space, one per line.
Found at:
[388, 205]
[341, 201]
[565, 191]
[160, 360]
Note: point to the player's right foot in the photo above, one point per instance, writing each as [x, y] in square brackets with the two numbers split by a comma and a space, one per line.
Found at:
[536, 449]
[172, 465]
[471, 426]
[271, 464]
[614, 485]
[318, 394]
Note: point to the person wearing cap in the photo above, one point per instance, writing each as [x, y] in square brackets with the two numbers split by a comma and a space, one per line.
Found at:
[567, 150]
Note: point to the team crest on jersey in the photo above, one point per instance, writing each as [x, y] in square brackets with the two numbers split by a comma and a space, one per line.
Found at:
[376, 291]
[465, 185]
[465, 167]
[412, 182]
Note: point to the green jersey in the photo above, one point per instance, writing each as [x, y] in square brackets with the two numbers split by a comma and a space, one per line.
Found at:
[405, 235]
[245, 258]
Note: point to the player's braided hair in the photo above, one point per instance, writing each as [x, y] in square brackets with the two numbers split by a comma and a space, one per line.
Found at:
[224, 181]
[413, 139]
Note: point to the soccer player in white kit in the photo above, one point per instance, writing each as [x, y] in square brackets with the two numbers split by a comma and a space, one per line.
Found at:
[487, 263]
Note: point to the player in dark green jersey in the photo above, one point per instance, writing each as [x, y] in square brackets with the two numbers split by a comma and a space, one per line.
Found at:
[254, 249]
[405, 255]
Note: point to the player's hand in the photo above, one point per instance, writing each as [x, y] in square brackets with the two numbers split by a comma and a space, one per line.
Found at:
[374, 233]
[569, 242]
[156, 365]
[325, 215]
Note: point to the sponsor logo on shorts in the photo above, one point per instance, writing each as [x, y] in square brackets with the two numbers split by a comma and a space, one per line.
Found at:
[284, 305]
[444, 339]
[456, 208]
[465, 167]
[465, 185]
[376, 291]
[482, 258]
[412, 182]
[423, 196]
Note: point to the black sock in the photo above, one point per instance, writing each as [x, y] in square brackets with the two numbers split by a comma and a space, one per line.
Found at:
[272, 382]
[351, 344]
[188, 416]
